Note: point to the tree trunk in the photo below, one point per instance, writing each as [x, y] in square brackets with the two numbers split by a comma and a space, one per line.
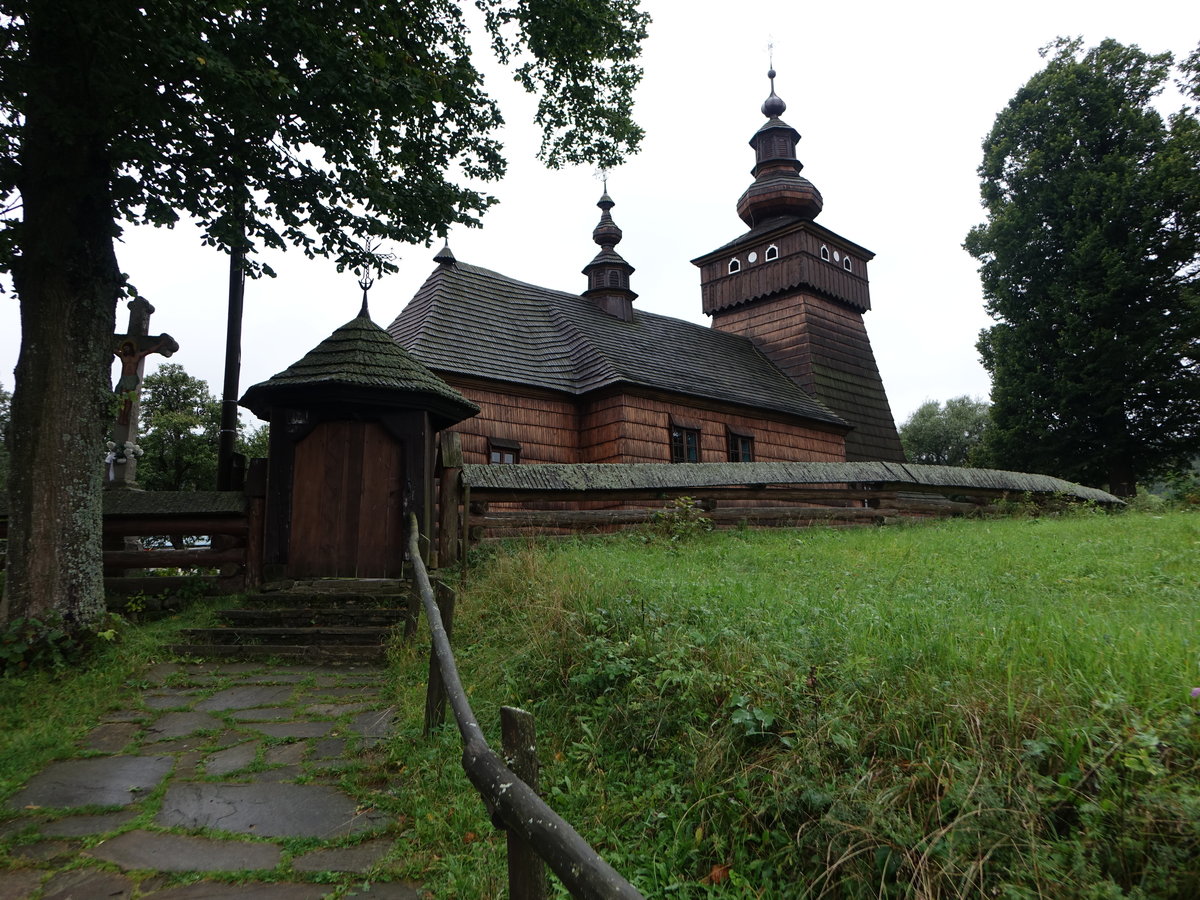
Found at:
[1122, 481]
[67, 280]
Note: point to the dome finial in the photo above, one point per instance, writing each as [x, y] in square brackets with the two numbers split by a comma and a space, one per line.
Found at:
[365, 283]
[445, 256]
[773, 107]
[606, 233]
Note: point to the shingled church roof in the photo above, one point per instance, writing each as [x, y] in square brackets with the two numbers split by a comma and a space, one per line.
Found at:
[360, 359]
[472, 321]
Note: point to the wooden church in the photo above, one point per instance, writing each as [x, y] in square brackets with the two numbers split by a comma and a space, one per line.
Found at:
[785, 373]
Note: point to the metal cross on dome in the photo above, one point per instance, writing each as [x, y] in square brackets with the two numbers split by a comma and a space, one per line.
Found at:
[366, 279]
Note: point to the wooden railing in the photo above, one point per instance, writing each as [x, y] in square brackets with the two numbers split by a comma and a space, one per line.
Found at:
[230, 520]
[514, 804]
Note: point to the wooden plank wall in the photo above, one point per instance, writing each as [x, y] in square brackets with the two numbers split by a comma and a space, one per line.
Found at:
[799, 264]
[631, 428]
[626, 427]
[824, 346]
[546, 426]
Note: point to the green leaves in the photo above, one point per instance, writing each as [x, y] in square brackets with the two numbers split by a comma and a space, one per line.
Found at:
[319, 126]
[1089, 262]
[945, 436]
[181, 422]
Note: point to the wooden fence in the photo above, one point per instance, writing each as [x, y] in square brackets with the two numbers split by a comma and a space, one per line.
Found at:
[535, 830]
[230, 562]
[488, 501]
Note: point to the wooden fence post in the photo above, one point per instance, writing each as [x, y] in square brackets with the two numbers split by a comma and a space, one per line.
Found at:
[448, 499]
[464, 543]
[256, 521]
[526, 871]
[435, 693]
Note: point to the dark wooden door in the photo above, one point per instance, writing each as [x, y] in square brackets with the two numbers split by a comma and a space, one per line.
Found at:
[347, 503]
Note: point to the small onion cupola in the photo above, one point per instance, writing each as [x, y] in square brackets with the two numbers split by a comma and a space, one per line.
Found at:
[778, 188]
[608, 274]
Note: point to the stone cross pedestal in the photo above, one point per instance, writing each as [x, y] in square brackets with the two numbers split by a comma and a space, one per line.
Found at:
[132, 349]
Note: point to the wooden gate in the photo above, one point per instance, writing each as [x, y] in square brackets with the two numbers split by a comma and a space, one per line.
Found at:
[347, 503]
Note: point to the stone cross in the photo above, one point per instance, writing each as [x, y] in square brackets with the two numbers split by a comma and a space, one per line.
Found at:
[132, 349]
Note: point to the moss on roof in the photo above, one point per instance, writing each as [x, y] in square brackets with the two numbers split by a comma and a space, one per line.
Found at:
[165, 503]
[360, 354]
[664, 476]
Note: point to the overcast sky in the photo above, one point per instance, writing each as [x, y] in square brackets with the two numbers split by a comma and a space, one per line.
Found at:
[892, 101]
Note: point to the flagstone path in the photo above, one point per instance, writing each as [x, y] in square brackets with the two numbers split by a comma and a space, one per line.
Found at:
[208, 771]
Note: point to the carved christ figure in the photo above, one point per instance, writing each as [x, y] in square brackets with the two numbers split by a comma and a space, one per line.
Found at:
[132, 349]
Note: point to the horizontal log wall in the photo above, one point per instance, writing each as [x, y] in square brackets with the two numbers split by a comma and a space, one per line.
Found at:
[495, 513]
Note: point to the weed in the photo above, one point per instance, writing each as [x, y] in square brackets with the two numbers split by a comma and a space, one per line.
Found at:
[31, 643]
[683, 519]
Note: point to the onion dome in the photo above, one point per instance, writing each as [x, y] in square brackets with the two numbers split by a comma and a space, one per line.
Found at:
[778, 188]
[773, 107]
[608, 274]
[606, 233]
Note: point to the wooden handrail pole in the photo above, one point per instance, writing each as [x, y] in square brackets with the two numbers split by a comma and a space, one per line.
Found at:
[435, 693]
[518, 739]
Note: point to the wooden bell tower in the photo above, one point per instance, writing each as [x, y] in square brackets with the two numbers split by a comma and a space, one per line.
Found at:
[799, 291]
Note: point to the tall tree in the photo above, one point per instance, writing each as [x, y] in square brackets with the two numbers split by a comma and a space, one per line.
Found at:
[948, 435]
[180, 421]
[1089, 266]
[274, 122]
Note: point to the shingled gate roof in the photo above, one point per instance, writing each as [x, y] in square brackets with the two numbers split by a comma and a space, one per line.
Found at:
[472, 321]
[361, 355]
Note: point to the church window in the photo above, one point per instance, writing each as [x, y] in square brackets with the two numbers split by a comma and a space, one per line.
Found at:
[685, 444]
[824, 253]
[846, 264]
[752, 257]
[837, 257]
[772, 253]
[503, 452]
[614, 278]
[741, 446]
[735, 265]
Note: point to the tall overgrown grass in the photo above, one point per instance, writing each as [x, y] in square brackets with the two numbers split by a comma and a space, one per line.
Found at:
[990, 708]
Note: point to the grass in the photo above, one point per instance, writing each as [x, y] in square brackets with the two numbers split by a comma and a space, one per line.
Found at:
[995, 708]
[973, 708]
[45, 711]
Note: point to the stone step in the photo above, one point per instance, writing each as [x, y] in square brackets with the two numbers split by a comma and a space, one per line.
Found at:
[319, 635]
[299, 617]
[310, 653]
[327, 601]
[340, 586]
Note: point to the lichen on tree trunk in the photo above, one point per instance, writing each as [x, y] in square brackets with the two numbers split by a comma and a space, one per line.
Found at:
[67, 280]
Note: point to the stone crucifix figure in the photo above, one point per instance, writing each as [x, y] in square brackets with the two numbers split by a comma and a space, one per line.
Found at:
[132, 349]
